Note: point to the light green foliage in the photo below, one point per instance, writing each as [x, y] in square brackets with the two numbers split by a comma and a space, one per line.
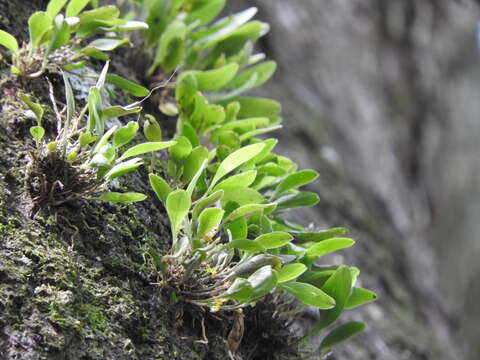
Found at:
[50, 30]
[224, 189]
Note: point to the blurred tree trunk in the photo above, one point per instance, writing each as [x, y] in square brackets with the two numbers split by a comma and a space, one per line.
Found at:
[381, 98]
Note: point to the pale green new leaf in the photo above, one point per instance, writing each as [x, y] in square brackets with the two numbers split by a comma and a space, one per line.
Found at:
[308, 294]
[326, 247]
[123, 168]
[234, 160]
[74, 7]
[208, 221]
[146, 148]
[125, 198]
[177, 204]
[290, 272]
[8, 41]
[160, 187]
[274, 239]
[38, 24]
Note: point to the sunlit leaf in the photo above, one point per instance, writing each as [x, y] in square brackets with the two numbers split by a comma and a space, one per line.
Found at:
[126, 198]
[290, 272]
[8, 41]
[127, 85]
[208, 221]
[308, 294]
[38, 25]
[295, 180]
[244, 179]
[54, 7]
[177, 204]
[236, 159]
[74, 7]
[246, 245]
[37, 132]
[274, 239]
[146, 147]
[123, 168]
[160, 187]
[326, 247]
[360, 296]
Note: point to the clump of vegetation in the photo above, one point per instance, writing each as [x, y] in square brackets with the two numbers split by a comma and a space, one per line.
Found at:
[226, 193]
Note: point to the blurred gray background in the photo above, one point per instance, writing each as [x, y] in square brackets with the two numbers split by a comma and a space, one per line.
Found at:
[382, 98]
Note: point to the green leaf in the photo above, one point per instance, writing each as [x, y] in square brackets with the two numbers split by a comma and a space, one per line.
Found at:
[205, 12]
[126, 198]
[234, 160]
[152, 129]
[240, 290]
[107, 44]
[246, 210]
[193, 163]
[117, 111]
[171, 47]
[341, 333]
[242, 196]
[105, 157]
[160, 187]
[274, 239]
[263, 281]
[262, 71]
[70, 102]
[238, 229]
[186, 88]
[205, 202]
[338, 286]
[36, 108]
[178, 204]
[74, 7]
[95, 122]
[295, 180]
[146, 148]
[241, 180]
[125, 134]
[37, 132]
[360, 296]
[326, 247]
[302, 199]
[123, 168]
[130, 26]
[104, 139]
[8, 41]
[246, 245]
[181, 149]
[302, 237]
[308, 294]
[193, 183]
[208, 221]
[127, 85]
[189, 132]
[38, 24]
[255, 107]
[290, 272]
[54, 7]
[215, 79]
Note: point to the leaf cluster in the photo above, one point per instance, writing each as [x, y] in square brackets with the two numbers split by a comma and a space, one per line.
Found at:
[225, 190]
[51, 31]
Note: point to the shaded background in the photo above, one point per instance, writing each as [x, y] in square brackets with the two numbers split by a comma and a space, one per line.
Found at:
[381, 97]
